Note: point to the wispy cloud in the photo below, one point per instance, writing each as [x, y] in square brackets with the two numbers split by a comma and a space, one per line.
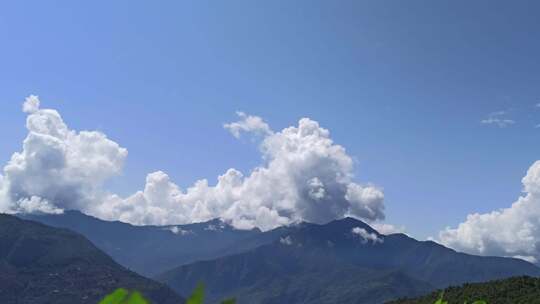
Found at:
[367, 236]
[248, 124]
[498, 119]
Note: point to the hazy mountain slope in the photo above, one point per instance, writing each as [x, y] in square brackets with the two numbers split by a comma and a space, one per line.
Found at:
[331, 264]
[423, 260]
[263, 238]
[279, 275]
[150, 250]
[42, 264]
[517, 290]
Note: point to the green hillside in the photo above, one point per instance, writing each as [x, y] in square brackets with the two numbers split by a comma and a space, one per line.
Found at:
[45, 265]
[517, 290]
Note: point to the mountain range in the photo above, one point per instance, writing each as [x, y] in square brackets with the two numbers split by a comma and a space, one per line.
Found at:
[40, 264]
[149, 250]
[344, 261]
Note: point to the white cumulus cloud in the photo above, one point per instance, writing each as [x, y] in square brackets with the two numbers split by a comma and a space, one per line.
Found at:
[512, 231]
[248, 123]
[58, 168]
[367, 236]
[37, 204]
[384, 228]
[31, 104]
[304, 176]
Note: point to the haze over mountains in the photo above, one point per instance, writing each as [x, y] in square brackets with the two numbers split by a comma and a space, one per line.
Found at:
[150, 250]
[344, 261]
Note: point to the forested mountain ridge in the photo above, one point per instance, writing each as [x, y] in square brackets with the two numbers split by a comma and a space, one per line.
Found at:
[41, 264]
[344, 261]
[516, 290]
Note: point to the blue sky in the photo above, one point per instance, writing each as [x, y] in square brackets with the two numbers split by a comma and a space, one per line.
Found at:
[403, 86]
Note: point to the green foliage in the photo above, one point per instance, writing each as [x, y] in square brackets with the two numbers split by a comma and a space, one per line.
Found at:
[441, 301]
[198, 295]
[122, 296]
[516, 290]
[116, 297]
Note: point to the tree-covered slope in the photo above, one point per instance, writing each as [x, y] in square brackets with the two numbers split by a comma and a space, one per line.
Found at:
[517, 290]
[278, 275]
[41, 264]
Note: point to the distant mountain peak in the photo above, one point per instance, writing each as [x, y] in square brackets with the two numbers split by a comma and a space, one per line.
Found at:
[347, 224]
[341, 233]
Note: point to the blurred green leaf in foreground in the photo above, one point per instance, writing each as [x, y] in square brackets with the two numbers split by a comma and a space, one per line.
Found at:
[198, 297]
[441, 301]
[122, 296]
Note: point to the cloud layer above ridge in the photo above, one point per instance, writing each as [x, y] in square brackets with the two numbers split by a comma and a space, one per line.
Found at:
[304, 175]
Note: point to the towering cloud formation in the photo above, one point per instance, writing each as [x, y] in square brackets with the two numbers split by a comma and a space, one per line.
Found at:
[514, 231]
[58, 168]
[304, 176]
